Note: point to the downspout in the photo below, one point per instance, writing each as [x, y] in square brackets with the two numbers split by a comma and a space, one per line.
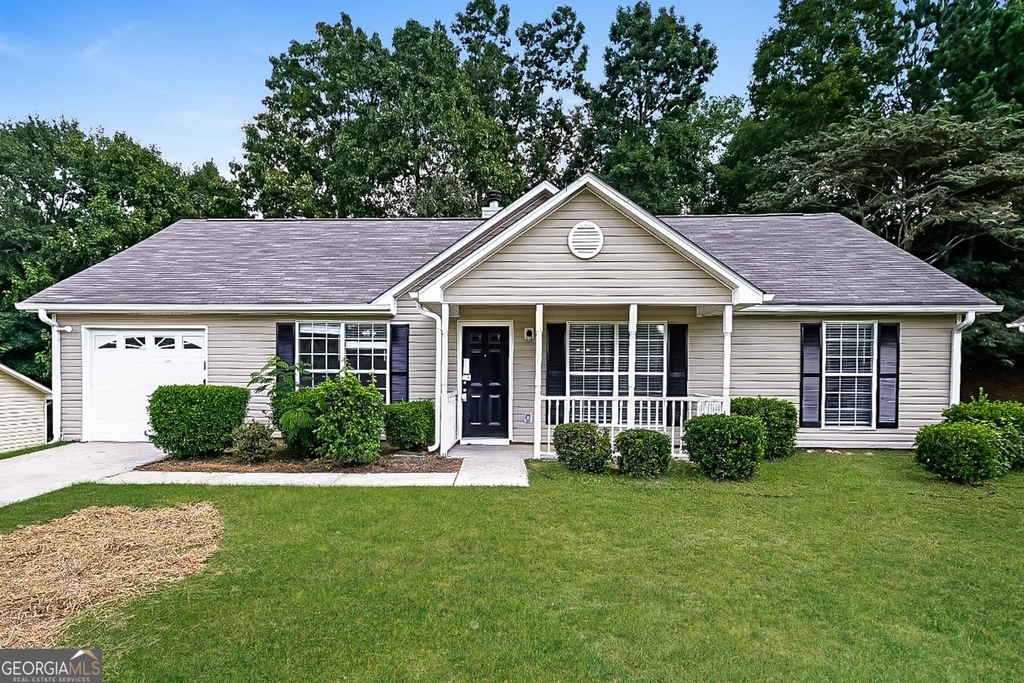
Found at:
[437, 369]
[55, 370]
[954, 358]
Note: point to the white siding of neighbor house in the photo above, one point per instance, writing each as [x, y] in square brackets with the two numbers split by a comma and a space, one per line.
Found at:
[633, 267]
[766, 362]
[22, 414]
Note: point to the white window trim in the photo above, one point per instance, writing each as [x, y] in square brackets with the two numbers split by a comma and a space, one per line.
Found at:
[616, 373]
[874, 377]
[342, 350]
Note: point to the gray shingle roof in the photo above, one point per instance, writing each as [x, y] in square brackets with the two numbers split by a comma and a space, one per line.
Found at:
[331, 262]
[801, 259]
[822, 259]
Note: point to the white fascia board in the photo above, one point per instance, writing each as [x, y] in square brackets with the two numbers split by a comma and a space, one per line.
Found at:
[744, 292]
[468, 239]
[351, 309]
[767, 309]
[25, 380]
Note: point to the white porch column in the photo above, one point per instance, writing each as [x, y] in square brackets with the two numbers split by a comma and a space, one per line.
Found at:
[443, 353]
[630, 414]
[727, 357]
[538, 361]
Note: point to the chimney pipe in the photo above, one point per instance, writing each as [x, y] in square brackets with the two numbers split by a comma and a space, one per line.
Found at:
[493, 204]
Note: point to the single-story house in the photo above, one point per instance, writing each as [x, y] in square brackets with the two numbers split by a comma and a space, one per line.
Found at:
[23, 408]
[567, 304]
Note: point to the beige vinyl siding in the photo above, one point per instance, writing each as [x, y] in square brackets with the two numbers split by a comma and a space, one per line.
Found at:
[421, 348]
[22, 414]
[633, 267]
[237, 346]
[766, 362]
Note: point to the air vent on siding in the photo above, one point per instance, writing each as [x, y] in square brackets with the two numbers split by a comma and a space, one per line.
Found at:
[585, 240]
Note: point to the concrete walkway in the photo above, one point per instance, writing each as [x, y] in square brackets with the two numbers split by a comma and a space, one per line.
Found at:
[27, 476]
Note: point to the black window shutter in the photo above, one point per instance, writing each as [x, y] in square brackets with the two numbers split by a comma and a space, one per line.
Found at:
[399, 363]
[677, 361]
[810, 375]
[888, 376]
[555, 380]
[286, 342]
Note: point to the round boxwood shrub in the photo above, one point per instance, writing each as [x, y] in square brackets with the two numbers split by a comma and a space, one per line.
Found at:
[780, 421]
[191, 421]
[581, 446]
[253, 442]
[965, 452]
[725, 446]
[350, 419]
[643, 452]
[1007, 417]
[409, 424]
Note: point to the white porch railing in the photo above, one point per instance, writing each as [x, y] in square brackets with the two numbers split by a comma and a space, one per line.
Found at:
[662, 414]
[449, 422]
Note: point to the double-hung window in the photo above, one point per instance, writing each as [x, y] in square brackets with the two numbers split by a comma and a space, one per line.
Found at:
[849, 374]
[599, 359]
[325, 347]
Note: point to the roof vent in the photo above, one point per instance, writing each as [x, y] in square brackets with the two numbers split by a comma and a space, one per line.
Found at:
[585, 240]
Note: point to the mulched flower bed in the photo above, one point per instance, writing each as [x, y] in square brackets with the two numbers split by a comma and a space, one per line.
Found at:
[430, 463]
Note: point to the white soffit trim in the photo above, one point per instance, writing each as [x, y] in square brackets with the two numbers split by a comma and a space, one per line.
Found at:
[468, 239]
[880, 308]
[25, 380]
[353, 309]
[743, 291]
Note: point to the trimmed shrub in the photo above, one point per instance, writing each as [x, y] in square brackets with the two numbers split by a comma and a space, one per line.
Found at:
[191, 421]
[409, 424]
[643, 453]
[725, 446]
[1005, 416]
[350, 419]
[780, 421]
[253, 442]
[581, 446]
[965, 452]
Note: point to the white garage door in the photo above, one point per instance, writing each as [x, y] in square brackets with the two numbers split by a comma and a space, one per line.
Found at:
[125, 366]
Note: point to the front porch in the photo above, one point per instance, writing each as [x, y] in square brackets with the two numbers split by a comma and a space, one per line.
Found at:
[619, 367]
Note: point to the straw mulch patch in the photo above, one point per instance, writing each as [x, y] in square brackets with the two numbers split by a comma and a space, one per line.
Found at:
[51, 572]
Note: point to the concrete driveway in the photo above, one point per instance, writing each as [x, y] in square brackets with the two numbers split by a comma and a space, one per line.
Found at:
[27, 476]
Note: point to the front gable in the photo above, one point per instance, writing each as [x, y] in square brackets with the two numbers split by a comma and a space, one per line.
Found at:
[634, 265]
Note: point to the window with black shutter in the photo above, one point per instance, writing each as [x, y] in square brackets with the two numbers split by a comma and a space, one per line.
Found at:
[677, 360]
[286, 342]
[888, 376]
[399, 366]
[810, 375]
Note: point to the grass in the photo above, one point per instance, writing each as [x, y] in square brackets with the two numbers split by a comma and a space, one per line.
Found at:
[33, 449]
[825, 567]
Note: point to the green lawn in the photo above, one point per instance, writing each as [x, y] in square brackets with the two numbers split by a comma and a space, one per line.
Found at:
[825, 567]
[32, 449]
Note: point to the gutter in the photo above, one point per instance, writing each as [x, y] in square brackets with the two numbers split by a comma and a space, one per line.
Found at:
[954, 357]
[438, 340]
[55, 369]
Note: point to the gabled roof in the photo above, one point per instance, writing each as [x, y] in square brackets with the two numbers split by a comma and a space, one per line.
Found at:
[823, 259]
[349, 265]
[17, 376]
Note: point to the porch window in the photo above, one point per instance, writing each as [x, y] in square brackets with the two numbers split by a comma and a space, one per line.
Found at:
[324, 347]
[849, 374]
[599, 359]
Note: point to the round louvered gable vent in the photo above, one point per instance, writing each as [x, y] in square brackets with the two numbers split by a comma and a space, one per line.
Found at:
[586, 240]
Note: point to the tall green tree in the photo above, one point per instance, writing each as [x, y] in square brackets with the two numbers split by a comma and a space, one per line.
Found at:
[826, 60]
[645, 140]
[69, 199]
[947, 189]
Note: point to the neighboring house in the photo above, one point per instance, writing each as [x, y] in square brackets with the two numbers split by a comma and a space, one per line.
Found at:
[571, 304]
[22, 411]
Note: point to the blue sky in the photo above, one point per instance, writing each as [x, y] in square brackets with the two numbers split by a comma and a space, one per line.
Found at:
[184, 76]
